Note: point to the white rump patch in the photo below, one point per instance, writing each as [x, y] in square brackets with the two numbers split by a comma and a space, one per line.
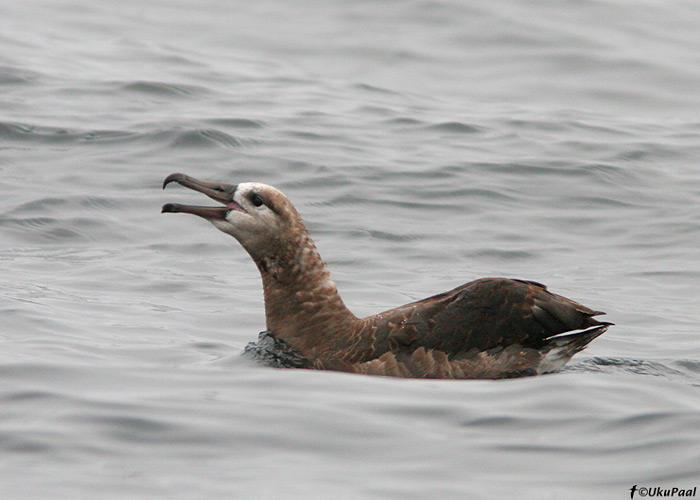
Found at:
[553, 361]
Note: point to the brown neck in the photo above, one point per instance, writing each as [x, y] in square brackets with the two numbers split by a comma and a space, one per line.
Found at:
[302, 305]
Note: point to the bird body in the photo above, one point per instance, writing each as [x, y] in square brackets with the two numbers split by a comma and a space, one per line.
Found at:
[487, 328]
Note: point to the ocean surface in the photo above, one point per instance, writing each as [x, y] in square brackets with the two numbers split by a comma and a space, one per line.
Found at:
[426, 144]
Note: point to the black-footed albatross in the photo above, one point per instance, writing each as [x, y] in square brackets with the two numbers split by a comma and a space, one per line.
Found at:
[487, 328]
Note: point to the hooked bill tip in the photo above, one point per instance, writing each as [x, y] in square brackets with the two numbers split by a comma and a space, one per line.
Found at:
[173, 177]
[170, 207]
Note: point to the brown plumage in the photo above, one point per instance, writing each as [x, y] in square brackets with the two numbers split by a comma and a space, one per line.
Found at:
[488, 328]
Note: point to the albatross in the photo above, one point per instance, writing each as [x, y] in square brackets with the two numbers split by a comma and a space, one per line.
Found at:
[489, 328]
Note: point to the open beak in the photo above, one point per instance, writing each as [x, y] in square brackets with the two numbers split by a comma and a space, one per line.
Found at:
[222, 193]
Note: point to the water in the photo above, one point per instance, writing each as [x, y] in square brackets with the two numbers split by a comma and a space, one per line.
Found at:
[426, 144]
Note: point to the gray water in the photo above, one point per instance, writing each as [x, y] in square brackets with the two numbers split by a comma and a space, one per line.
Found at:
[425, 143]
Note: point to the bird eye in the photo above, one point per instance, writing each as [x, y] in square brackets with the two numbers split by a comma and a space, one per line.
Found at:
[257, 200]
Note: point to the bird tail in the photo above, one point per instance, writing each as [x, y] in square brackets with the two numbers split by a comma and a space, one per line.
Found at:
[558, 350]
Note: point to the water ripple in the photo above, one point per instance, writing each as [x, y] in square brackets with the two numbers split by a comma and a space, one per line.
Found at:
[457, 127]
[165, 89]
[203, 138]
[176, 136]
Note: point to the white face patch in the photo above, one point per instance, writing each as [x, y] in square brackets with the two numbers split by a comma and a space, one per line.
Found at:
[251, 197]
[257, 225]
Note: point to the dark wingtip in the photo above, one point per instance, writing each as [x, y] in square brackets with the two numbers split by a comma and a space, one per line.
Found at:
[595, 322]
[177, 177]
